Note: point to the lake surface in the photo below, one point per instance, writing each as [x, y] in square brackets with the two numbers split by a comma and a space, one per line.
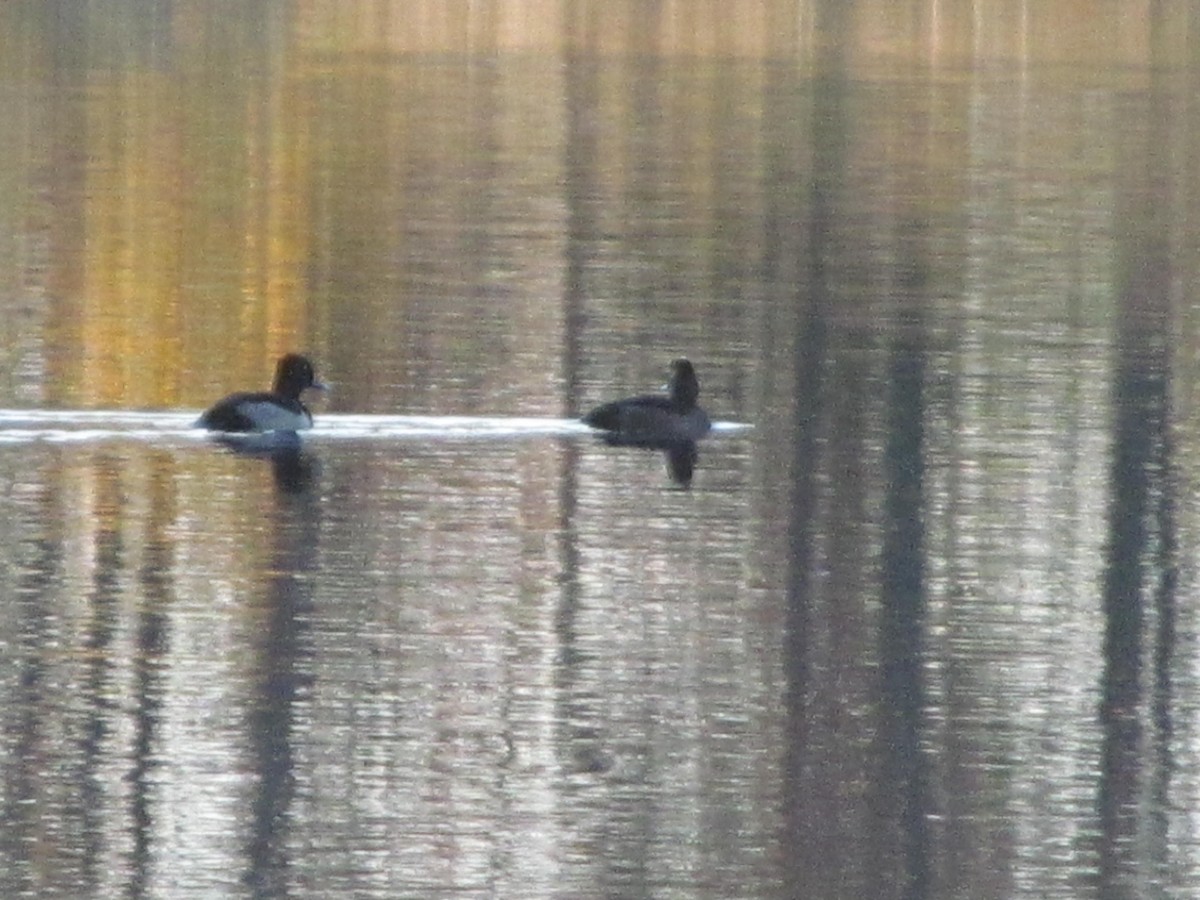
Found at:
[922, 624]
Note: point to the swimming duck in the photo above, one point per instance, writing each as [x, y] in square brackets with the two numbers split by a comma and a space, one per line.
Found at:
[279, 409]
[656, 419]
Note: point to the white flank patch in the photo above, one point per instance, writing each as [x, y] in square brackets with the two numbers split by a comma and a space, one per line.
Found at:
[269, 417]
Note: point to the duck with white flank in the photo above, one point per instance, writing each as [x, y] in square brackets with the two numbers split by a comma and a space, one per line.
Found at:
[279, 409]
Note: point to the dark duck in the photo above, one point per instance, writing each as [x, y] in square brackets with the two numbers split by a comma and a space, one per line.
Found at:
[656, 420]
[279, 409]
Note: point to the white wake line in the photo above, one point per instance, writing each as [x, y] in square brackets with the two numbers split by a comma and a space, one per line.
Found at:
[348, 425]
[114, 418]
[80, 426]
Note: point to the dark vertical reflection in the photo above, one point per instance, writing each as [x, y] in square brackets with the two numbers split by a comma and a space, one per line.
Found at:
[905, 773]
[284, 671]
[1163, 191]
[803, 527]
[580, 168]
[1136, 396]
[579, 738]
[97, 689]
[152, 644]
[25, 737]
[65, 26]
[66, 168]
[798, 250]
[1139, 577]
[1164, 638]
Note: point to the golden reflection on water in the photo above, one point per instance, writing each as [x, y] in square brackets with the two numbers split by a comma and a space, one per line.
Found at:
[149, 305]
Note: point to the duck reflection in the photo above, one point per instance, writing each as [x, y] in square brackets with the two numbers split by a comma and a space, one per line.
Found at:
[284, 672]
[681, 455]
[293, 469]
[283, 650]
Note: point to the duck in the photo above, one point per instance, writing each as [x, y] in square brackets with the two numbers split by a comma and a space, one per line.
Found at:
[656, 420]
[279, 409]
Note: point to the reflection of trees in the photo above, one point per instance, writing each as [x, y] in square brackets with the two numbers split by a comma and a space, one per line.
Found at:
[1138, 705]
[222, 185]
[284, 667]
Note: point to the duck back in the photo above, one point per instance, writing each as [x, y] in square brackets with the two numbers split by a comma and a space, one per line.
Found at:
[256, 412]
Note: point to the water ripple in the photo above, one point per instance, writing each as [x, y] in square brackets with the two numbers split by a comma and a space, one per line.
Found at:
[85, 425]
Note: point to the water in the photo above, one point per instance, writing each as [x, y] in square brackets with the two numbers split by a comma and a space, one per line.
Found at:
[922, 624]
[394, 630]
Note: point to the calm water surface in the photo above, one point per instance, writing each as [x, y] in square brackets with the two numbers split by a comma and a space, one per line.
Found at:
[928, 628]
